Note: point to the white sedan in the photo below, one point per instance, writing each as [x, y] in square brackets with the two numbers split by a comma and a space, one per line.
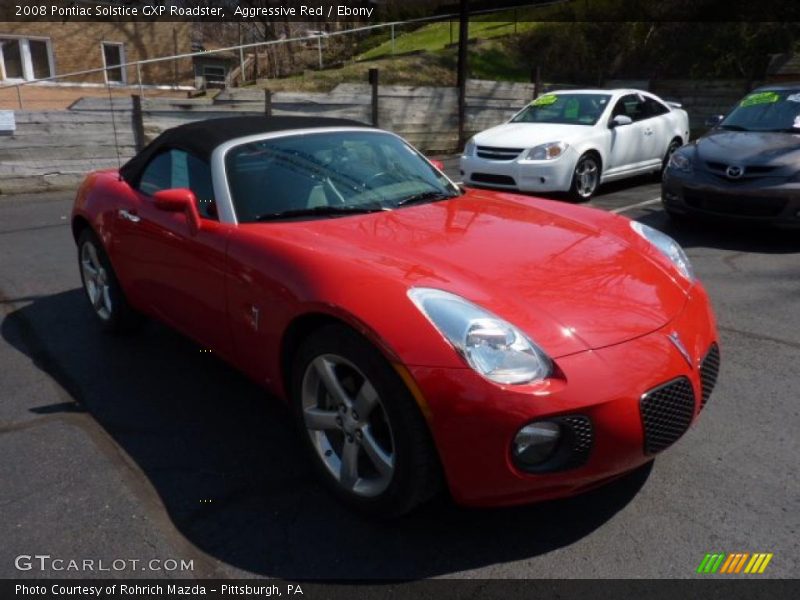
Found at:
[572, 141]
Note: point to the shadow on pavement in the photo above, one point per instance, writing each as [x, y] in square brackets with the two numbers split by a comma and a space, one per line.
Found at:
[201, 432]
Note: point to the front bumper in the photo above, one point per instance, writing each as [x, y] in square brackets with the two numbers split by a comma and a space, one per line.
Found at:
[474, 421]
[767, 200]
[522, 175]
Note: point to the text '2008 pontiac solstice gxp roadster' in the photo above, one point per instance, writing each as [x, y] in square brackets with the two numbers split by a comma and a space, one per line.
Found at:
[509, 348]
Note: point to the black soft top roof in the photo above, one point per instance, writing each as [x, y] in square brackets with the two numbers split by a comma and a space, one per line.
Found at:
[202, 137]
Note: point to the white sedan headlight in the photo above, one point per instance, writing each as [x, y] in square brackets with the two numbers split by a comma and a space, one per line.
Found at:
[469, 148]
[667, 246]
[549, 151]
[491, 346]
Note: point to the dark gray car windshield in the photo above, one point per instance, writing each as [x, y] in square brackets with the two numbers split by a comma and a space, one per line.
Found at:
[329, 174]
[766, 111]
[572, 109]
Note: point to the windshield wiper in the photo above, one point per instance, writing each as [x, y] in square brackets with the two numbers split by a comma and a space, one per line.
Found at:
[425, 197]
[733, 127]
[321, 211]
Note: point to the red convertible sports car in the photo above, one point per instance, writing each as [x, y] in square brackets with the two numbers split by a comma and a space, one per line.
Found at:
[509, 348]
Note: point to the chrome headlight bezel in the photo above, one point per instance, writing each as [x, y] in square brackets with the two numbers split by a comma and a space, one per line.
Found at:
[668, 247]
[491, 346]
[547, 152]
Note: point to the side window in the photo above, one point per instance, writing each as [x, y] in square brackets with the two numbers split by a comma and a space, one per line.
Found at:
[190, 172]
[157, 174]
[178, 169]
[631, 106]
[654, 108]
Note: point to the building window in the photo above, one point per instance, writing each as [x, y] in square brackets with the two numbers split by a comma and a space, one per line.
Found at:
[25, 59]
[214, 76]
[113, 56]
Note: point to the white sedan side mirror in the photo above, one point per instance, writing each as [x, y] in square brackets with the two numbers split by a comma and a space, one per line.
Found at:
[620, 120]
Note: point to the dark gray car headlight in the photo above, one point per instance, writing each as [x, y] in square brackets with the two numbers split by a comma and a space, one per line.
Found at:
[493, 347]
[681, 161]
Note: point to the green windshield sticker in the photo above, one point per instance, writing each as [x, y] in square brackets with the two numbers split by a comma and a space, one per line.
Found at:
[760, 98]
[572, 108]
[545, 100]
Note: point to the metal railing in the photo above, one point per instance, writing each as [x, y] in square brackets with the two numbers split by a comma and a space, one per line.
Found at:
[240, 48]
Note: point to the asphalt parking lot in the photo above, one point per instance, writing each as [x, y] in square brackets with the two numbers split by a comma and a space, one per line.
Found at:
[145, 448]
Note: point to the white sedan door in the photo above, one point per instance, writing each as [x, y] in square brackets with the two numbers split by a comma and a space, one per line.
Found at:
[637, 145]
[629, 143]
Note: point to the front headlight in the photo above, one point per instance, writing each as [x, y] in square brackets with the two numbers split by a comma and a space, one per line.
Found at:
[549, 151]
[667, 246]
[491, 346]
[469, 148]
[681, 162]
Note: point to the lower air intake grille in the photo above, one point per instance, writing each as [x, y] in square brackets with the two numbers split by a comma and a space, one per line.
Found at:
[667, 412]
[495, 179]
[709, 369]
[580, 435]
[735, 204]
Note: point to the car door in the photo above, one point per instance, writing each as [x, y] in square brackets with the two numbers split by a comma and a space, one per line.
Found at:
[658, 122]
[631, 144]
[170, 271]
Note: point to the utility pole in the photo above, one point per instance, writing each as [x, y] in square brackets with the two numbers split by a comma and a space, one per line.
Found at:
[463, 41]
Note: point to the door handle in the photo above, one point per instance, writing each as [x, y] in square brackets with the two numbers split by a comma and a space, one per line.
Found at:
[128, 215]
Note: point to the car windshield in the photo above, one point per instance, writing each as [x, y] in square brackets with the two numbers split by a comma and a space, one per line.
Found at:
[329, 174]
[777, 110]
[573, 109]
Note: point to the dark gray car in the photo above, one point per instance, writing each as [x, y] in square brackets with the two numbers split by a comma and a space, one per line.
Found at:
[746, 168]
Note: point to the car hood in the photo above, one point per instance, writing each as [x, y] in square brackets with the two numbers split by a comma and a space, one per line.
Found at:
[568, 285]
[527, 135]
[749, 148]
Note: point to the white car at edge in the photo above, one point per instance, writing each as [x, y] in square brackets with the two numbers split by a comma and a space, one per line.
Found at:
[572, 141]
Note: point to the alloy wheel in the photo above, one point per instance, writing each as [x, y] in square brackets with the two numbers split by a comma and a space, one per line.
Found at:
[586, 177]
[348, 425]
[96, 281]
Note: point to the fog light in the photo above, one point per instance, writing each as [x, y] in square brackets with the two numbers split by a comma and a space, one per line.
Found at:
[535, 443]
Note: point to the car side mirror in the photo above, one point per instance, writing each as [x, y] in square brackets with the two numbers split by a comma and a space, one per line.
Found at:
[715, 120]
[438, 164]
[620, 120]
[180, 200]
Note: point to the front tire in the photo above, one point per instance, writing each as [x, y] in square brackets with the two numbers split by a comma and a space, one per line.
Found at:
[364, 433]
[105, 296]
[585, 178]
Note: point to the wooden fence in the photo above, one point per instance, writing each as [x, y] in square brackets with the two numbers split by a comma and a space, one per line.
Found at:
[54, 149]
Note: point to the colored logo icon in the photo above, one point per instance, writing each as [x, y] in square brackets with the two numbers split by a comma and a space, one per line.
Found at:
[738, 562]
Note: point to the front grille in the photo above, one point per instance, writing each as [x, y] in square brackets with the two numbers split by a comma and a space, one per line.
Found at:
[750, 171]
[729, 204]
[494, 179]
[491, 153]
[709, 369]
[667, 412]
